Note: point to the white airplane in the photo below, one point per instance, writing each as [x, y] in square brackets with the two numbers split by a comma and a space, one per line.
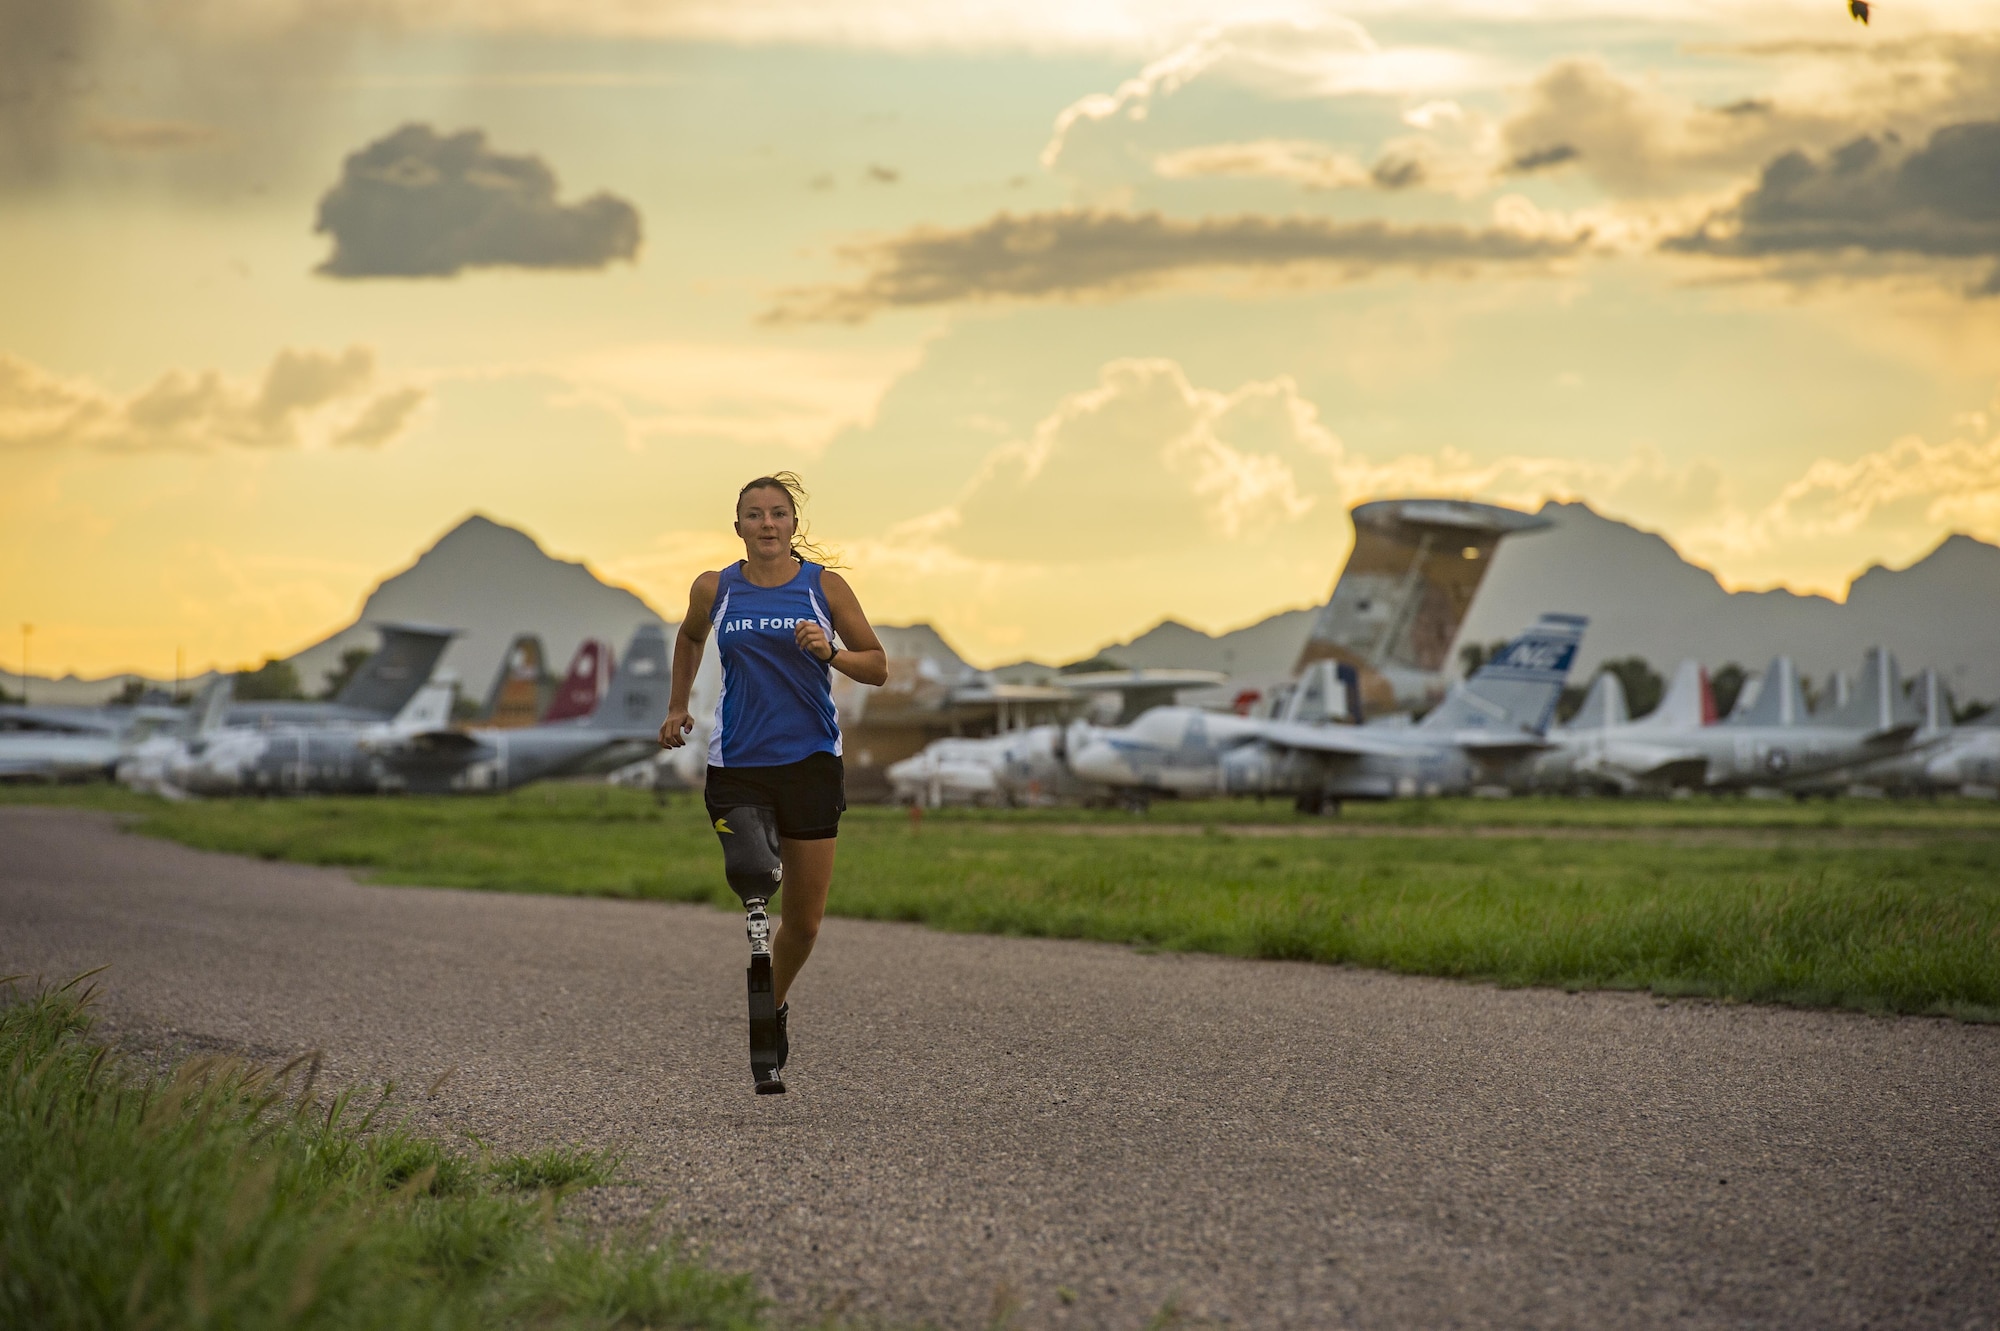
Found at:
[1773, 741]
[1603, 748]
[1940, 758]
[1484, 728]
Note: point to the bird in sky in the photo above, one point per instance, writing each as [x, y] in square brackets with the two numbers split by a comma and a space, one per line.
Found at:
[1859, 9]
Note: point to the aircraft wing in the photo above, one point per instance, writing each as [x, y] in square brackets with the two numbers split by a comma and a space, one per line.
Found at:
[1655, 760]
[426, 741]
[1352, 741]
[1502, 744]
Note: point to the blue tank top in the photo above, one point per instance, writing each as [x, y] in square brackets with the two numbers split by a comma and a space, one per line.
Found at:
[777, 702]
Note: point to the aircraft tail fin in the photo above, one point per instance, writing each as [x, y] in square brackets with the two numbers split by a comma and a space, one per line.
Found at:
[1604, 705]
[1328, 691]
[1879, 704]
[584, 686]
[1404, 591]
[1778, 700]
[1934, 700]
[1688, 703]
[210, 709]
[431, 708]
[1517, 689]
[387, 681]
[515, 699]
[637, 698]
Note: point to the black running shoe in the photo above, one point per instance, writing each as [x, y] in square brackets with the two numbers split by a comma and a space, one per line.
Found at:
[784, 1040]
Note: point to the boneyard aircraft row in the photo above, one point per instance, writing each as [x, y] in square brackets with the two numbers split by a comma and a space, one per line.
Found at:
[1381, 643]
[415, 750]
[64, 743]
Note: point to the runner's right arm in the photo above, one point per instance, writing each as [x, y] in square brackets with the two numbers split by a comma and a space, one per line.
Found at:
[688, 644]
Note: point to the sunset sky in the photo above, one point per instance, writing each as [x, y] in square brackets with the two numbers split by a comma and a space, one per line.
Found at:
[1073, 315]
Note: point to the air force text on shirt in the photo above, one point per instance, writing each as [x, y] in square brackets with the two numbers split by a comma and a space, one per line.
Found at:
[764, 622]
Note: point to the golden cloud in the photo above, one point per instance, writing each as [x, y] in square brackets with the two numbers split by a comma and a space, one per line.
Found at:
[303, 397]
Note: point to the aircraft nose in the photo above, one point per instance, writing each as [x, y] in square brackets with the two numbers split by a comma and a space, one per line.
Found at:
[1098, 761]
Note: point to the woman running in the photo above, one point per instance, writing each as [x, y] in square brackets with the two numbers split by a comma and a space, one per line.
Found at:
[776, 742]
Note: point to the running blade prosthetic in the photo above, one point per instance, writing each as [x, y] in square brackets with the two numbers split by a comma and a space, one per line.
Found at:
[763, 1003]
[755, 867]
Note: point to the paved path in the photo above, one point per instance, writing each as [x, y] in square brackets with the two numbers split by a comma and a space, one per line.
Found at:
[1085, 1134]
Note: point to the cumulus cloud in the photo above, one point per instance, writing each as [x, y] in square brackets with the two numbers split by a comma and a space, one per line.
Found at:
[1953, 485]
[417, 203]
[1193, 461]
[303, 397]
[1257, 469]
[1294, 57]
[1939, 201]
[1083, 253]
[751, 394]
[1638, 141]
[1253, 466]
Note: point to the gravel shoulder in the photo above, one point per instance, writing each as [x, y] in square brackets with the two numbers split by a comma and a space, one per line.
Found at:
[1082, 1135]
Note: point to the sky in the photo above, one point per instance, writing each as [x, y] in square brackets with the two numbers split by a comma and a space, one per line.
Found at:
[1073, 316]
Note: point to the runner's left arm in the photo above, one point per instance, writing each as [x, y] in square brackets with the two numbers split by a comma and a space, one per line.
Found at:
[860, 656]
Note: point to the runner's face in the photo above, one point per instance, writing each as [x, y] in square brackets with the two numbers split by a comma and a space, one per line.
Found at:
[766, 522]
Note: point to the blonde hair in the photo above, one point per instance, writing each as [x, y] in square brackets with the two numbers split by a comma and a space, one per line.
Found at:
[803, 546]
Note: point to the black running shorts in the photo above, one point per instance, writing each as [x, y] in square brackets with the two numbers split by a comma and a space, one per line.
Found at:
[808, 796]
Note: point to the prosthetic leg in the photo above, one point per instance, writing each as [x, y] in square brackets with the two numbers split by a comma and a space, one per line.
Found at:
[750, 858]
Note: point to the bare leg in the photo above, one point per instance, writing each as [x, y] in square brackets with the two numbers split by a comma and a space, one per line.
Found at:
[808, 874]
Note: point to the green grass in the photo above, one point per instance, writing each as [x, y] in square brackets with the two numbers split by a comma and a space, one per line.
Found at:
[223, 1195]
[1859, 904]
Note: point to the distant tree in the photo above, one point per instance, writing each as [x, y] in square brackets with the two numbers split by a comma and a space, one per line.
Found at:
[131, 695]
[336, 678]
[1474, 655]
[5, 696]
[465, 709]
[1972, 711]
[270, 682]
[1643, 685]
[1726, 685]
[1570, 703]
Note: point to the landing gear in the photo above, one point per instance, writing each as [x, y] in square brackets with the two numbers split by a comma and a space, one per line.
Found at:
[750, 859]
[1317, 804]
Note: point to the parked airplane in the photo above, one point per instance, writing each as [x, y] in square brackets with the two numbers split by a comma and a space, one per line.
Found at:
[1966, 760]
[417, 750]
[327, 757]
[1483, 728]
[1776, 742]
[1940, 758]
[46, 750]
[953, 771]
[377, 691]
[1029, 765]
[1602, 748]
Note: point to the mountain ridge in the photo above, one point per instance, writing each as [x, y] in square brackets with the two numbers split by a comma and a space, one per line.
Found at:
[1643, 597]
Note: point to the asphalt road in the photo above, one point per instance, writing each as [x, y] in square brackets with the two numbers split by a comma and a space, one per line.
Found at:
[1081, 1135]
